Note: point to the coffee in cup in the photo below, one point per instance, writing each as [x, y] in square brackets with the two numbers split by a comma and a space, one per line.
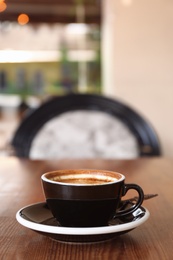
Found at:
[85, 197]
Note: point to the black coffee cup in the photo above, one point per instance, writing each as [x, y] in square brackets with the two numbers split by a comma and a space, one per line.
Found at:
[87, 198]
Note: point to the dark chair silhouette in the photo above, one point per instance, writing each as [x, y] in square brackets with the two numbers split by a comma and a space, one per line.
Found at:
[141, 131]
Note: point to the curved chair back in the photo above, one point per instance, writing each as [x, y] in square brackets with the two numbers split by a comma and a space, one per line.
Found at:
[145, 138]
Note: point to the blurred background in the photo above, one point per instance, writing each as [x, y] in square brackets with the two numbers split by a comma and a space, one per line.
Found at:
[120, 49]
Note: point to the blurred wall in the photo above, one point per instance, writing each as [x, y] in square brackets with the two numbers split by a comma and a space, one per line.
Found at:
[138, 60]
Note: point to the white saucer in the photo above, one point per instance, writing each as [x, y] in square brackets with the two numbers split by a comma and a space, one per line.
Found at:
[39, 218]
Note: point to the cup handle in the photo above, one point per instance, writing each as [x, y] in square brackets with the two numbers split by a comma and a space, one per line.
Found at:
[138, 202]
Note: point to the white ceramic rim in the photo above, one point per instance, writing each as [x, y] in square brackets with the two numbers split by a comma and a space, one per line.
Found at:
[80, 231]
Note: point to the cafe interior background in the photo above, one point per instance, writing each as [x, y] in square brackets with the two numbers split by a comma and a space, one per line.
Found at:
[118, 48]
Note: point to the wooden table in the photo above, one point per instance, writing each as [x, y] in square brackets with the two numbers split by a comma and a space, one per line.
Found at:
[20, 185]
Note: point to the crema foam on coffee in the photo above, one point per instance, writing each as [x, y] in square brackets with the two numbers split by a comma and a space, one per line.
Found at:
[89, 179]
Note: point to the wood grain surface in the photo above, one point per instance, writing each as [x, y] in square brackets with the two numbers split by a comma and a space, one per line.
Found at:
[20, 185]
